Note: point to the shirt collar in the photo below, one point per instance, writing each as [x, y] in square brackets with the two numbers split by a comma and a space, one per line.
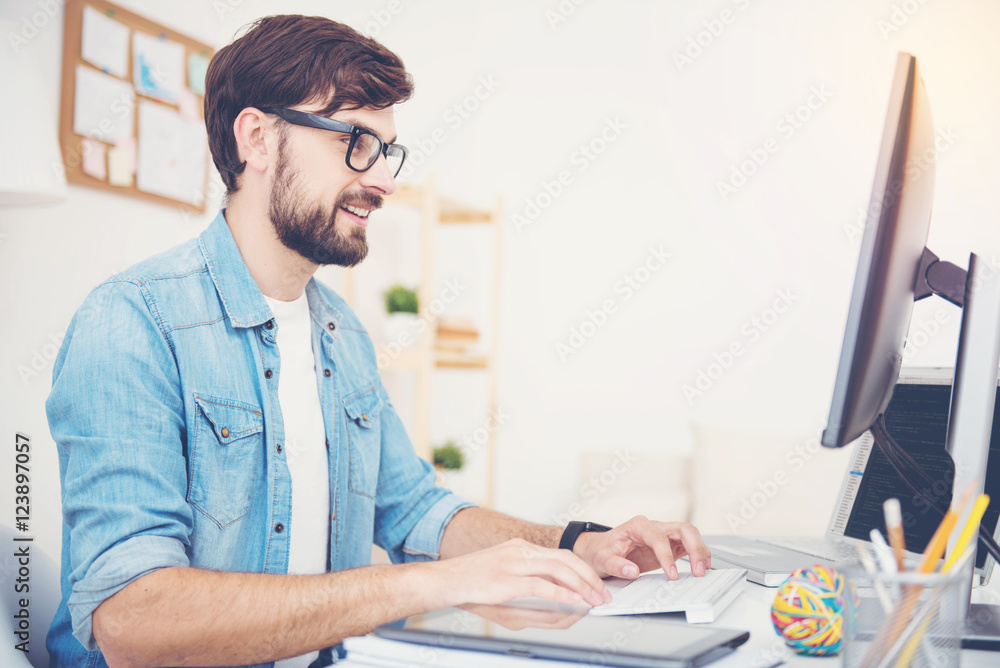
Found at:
[241, 297]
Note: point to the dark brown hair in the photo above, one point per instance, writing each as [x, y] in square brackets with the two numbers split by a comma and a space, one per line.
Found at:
[286, 60]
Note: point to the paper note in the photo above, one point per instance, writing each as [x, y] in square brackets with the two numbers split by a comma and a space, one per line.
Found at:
[157, 66]
[94, 159]
[119, 167]
[102, 107]
[188, 103]
[126, 149]
[197, 68]
[105, 42]
[172, 154]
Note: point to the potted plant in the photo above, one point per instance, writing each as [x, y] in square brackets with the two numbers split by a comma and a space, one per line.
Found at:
[402, 306]
[448, 457]
[448, 460]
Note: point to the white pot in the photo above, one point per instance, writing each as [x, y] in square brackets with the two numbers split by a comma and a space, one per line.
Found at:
[402, 329]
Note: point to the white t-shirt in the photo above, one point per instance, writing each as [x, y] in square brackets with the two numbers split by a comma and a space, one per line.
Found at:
[304, 446]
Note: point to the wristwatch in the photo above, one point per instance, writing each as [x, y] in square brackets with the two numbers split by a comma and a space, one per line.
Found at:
[573, 531]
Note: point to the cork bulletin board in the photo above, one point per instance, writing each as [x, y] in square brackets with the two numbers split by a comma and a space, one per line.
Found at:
[131, 117]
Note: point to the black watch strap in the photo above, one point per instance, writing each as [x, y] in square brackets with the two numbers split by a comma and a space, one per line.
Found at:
[573, 531]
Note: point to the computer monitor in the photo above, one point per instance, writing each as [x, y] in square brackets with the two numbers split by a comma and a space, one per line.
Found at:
[898, 219]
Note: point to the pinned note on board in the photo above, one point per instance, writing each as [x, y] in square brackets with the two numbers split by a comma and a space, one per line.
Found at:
[94, 159]
[188, 103]
[157, 66]
[119, 167]
[172, 154]
[102, 105]
[197, 69]
[104, 42]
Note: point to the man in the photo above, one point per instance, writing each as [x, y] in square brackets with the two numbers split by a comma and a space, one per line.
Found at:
[208, 518]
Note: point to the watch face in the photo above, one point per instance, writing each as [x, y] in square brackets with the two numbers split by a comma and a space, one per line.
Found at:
[594, 526]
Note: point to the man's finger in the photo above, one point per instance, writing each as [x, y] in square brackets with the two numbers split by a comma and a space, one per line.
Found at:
[698, 553]
[620, 567]
[542, 588]
[644, 532]
[583, 569]
[555, 569]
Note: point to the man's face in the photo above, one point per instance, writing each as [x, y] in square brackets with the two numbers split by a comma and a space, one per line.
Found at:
[318, 205]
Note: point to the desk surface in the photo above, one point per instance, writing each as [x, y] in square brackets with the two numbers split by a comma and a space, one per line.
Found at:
[751, 612]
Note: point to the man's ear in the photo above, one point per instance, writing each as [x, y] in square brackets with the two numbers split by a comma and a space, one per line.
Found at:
[252, 137]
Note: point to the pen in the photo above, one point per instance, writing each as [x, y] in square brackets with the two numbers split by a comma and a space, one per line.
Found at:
[869, 565]
[894, 528]
[883, 553]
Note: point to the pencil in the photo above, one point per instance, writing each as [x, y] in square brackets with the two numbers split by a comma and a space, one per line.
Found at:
[970, 528]
[894, 529]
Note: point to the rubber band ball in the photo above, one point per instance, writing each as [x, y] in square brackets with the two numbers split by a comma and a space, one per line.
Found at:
[808, 611]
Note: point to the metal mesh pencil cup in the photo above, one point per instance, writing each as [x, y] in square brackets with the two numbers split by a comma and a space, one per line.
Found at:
[904, 619]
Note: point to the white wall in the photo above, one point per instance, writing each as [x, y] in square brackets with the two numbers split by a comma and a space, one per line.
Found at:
[683, 130]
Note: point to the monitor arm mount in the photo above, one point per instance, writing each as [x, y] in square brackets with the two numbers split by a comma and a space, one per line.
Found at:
[944, 279]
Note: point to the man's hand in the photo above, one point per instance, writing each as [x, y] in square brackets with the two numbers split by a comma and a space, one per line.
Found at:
[642, 545]
[515, 569]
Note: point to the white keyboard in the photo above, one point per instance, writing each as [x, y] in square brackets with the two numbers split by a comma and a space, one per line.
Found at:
[701, 599]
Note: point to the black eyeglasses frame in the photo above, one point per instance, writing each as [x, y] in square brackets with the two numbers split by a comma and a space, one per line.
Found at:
[304, 118]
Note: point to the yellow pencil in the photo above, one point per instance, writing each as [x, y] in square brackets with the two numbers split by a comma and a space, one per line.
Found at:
[968, 531]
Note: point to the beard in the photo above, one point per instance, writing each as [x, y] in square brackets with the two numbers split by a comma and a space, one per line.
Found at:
[310, 230]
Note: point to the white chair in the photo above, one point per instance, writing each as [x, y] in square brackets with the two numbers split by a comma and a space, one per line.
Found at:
[43, 596]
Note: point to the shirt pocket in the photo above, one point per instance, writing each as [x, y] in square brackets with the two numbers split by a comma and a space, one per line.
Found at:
[364, 440]
[223, 466]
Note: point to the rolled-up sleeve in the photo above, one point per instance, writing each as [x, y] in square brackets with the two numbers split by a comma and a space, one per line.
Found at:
[424, 539]
[411, 510]
[117, 417]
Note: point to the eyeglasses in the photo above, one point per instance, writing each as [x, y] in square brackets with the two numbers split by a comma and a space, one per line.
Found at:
[365, 146]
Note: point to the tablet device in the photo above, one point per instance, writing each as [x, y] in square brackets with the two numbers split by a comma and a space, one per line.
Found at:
[640, 641]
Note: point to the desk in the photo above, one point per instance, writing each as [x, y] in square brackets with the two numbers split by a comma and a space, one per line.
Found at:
[751, 612]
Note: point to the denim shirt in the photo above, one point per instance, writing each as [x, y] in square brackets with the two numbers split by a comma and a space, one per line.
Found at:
[164, 408]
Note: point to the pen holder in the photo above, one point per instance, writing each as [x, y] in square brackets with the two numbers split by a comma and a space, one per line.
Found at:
[903, 619]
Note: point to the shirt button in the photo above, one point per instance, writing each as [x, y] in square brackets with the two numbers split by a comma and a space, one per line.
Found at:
[268, 373]
[364, 416]
[279, 448]
[333, 517]
[225, 432]
[279, 527]
[326, 372]
[331, 326]
[327, 444]
[268, 325]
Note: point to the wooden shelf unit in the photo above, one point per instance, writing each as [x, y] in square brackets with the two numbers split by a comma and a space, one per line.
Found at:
[424, 358]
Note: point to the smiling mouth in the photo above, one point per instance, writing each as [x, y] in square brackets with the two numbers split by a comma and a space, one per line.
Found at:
[357, 211]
